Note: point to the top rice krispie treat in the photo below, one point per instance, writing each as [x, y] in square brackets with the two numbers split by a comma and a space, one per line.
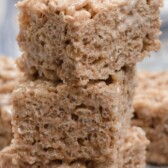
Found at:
[8, 80]
[77, 41]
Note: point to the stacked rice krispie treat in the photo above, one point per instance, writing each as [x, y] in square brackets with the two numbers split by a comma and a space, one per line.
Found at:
[9, 75]
[133, 151]
[73, 108]
[151, 113]
[78, 41]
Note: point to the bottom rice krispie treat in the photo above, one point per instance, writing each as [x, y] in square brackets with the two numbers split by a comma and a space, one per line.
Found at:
[133, 155]
[8, 79]
[57, 121]
[151, 113]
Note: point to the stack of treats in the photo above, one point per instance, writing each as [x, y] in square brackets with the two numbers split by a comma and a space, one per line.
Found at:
[73, 108]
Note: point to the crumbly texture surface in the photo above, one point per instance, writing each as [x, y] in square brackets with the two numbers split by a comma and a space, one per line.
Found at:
[8, 79]
[151, 113]
[86, 39]
[133, 155]
[65, 122]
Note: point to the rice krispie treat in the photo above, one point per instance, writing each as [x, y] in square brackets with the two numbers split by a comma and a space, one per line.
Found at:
[77, 41]
[8, 75]
[5, 126]
[9, 159]
[133, 151]
[151, 113]
[8, 80]
[63, 122]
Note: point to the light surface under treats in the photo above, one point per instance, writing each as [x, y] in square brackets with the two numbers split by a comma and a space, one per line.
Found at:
[151, 113]
[65, 122]
[78, 41]
[8, 79]
[133, 152]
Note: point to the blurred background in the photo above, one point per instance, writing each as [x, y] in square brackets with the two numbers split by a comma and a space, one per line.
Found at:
[9, 30]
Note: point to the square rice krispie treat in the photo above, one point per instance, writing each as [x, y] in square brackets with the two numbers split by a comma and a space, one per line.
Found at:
[86, 39]
[151, 113]
[133, 155]
[65, 122]
[8, 79]
[134, 149]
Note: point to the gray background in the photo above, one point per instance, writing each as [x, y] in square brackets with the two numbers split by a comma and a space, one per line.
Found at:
[8, 46]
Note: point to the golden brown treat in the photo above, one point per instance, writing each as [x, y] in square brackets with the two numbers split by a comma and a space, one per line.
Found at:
[65, 122]
[151, 113]
[8, 79]
[78, 41]
[133, 151]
